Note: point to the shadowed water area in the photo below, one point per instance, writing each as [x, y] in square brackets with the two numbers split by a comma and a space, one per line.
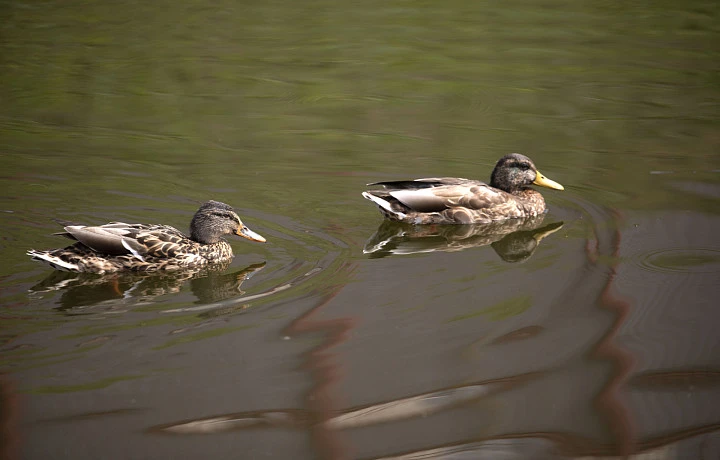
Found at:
[588, 332]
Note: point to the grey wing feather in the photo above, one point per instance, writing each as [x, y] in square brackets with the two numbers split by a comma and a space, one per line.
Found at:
[423, 183]
[113, 239]
[450, 193]
[423, 200]
[443, 181]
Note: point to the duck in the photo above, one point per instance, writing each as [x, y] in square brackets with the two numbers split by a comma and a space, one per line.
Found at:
[118, 246]
[456, 200]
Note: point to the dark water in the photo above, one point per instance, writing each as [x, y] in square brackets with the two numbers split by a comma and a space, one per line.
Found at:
[591, 334]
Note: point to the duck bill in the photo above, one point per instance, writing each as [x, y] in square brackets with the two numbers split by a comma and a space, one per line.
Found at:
[545, 182]
[249, 234]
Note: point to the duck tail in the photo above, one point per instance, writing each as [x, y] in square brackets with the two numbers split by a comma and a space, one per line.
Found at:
[53, 260]
[384, 205]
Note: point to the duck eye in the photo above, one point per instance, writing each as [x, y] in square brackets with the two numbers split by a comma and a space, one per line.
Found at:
[224, 215]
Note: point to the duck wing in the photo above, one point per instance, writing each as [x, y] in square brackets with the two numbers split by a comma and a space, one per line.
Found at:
[119, 238]
[436, 194]
[164, 241]
[427, 182]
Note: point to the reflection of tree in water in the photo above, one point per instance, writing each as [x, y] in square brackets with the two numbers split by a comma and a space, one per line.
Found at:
[624, 400]
[208, 284]
[514, 240]
[517, 445]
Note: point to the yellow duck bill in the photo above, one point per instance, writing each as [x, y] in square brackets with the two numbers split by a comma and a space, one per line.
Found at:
[545, 182]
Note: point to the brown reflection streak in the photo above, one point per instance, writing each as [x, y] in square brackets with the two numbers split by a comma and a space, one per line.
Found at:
[569, 445]
[592, 249]
[608, 400]
[321, 403]
[9, 415]
[678, 379]
[580, 446]
[519, 334]
[90, 415]
[501, 384]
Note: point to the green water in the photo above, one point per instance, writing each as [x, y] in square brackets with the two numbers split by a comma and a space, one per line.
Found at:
[140, 111]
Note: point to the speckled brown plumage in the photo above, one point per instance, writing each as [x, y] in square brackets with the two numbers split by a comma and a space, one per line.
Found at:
[452, 200]
[119, 246]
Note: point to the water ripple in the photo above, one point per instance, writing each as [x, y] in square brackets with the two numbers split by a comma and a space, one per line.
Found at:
[680, 260]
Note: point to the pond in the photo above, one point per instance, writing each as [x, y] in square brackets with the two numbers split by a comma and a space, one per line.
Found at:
[590, 332]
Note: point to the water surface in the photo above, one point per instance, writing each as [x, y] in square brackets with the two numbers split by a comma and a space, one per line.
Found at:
[589, 333]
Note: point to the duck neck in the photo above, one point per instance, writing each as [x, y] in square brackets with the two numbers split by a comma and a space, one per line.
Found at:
[202, 234]
[531, 198]
[519, 190]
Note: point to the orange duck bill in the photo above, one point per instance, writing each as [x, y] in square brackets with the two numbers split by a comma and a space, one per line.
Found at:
[249, 234]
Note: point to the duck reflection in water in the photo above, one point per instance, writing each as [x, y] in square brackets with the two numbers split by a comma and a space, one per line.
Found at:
[514, 240]
[119, 290]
